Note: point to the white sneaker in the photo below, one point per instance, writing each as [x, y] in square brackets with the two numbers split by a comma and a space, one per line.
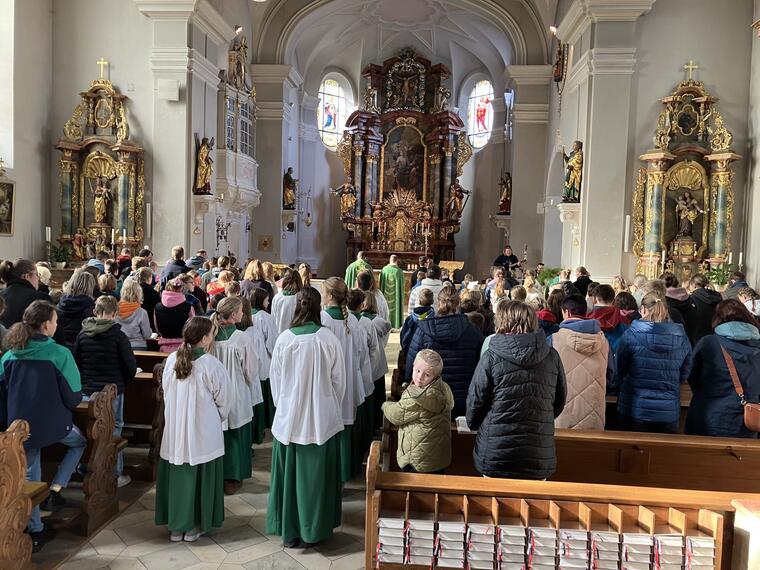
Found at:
[123, 481]
[193, 535]
[176, 537]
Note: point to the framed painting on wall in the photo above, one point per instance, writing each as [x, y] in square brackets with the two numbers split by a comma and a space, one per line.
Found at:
[7, 207]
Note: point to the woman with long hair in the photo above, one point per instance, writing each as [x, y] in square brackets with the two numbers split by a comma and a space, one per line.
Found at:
[76, 305]
[237, 353]
[653, 358]
[255, 278]
[189, 483]
[284, 303]
[22, 282]
[304, 270]
[269, 276]
[308, 377]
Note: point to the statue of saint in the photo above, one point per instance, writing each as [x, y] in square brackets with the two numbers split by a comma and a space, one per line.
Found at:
[78, 245]
[573, 173]
[347, 194]
[455, 203]
[441, 100]
[204, 167]
[505, 200]
[102, 197]
[289, 190]
[687, 211]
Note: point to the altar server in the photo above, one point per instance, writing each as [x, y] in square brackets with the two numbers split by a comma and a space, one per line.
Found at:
[379, 362]
[264, 326]
[256, 339]
[308, 376]
[284, 303]
[237, 353]
[354, 303]
[353, 341]
[197, 400]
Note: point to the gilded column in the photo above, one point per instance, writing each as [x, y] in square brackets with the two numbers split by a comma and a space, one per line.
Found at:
[653, 241]
[721, 204]
[372, 189]
[125, 177]
[69, 200]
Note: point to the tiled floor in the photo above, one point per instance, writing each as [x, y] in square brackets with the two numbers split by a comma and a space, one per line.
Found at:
[133, 542]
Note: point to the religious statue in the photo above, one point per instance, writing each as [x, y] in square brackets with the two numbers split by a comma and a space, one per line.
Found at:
[122, 128]
[573, 172]
[455, 203]
[204, 167]
[289, 185]
[102, 196]
[238, 58]
[505, 200]
[441, 100]
[370, 100]
[687, 211]
[347, 194]
[78, 245]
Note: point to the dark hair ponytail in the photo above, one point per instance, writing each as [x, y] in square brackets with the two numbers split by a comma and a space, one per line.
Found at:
[192, 333]
[35, 315]
[16, 269]
[257, 297]
[308, 307]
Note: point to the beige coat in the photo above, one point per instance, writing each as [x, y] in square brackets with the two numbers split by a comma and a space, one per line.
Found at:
[584, 357]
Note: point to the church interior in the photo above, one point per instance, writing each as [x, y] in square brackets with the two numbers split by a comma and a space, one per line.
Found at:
[551, 207]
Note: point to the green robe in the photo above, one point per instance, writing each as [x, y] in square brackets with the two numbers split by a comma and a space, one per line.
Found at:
[392, 286]
[353, 270]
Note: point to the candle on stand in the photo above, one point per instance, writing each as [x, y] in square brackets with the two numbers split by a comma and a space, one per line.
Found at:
[627, 235]
[730, 257]
[47, 233]
[741, 259]
[124, 236]
[113, 236]
[663, 258]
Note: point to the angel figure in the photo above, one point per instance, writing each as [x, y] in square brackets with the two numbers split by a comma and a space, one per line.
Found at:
[204, 166]
[347, 194]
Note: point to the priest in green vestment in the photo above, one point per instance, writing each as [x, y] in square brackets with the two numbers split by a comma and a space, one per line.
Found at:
[392, 287]
[353, 270]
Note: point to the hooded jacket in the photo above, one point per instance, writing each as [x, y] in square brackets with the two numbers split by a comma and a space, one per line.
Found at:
[172, 313]
[517, 392]
[103, 355]
[612, 322]
[705, 301]
[652, 360]
[151, 298]
[582, 284]
[410, 324]
[39, 384]
[458, 342]
[435, 285]
[172, 269]
[72, 310]
[584, 352]
[732, 291]
[547, 321]
[135, 324]
[18, 295]
[423, 416]
[679, 301]
[715, 407]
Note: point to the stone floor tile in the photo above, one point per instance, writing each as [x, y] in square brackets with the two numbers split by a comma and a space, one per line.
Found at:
[277, 561]
[253, 552]
[338, 545]
[107, 542]
[237, 538]
[207, 550]
[87, 551]
[147, 547]
[256, 500]
[126, 564]
[137, 533]
[128, 519]
[237, 506]
[231, 567]
[350, 562]
[309, 558]
[204, 566]
[259, 523]
[91, 563]
[176, 557]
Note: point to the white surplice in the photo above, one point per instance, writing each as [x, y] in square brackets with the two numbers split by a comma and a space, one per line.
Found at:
[238, 355]
[358, 367]
[195, 409]
[283, 311]
[380, 327]
[308, 379]
[264, 325]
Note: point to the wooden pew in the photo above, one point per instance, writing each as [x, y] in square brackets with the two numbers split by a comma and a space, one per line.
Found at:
[551, 504]
[147, 359]
[17, 497]
[628, 458]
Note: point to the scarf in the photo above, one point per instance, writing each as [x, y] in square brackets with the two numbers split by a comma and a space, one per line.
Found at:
[127, 308]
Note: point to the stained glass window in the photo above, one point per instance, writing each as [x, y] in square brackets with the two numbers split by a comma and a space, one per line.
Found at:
[480, 113]
[332, 112]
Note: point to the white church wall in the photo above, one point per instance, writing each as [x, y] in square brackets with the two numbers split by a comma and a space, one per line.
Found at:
[752, 209]
[32, 100]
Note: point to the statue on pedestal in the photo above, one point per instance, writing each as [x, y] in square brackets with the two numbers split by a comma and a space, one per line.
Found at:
[289, 190]
[455, 203]
[505, 199]
[102, 196]
[687, 212]
[204, 167]
[347, 194]
[573, 172]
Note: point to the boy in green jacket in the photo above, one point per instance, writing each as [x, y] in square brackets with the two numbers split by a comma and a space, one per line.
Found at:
[423, 416]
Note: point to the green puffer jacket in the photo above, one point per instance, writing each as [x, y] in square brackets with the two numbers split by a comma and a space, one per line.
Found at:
[423, 416]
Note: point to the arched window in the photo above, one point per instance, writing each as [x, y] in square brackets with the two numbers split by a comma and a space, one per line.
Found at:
[480, 113]
[335, 105]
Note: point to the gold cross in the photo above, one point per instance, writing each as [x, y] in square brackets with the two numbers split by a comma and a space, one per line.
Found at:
[690, 67]
[102, 63]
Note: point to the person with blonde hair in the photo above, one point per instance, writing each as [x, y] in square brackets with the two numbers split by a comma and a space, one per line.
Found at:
[653, 358]
[132, 317]
[76, 305]
[107, 286]
[304, 270]
[619, 284]
[269, 275]
[284, 302]
[375, 324]
[531, 284]
[255, 277]
[218, 286]
[517, 392]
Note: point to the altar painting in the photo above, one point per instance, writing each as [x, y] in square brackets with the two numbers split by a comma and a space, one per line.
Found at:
[404, 162]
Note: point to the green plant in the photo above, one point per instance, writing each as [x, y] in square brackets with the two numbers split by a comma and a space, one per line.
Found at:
[60, 254]
[719, 274]
[547, 274]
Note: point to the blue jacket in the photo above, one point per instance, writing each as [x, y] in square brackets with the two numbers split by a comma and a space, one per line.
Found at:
[652, 360]
[410, 324]
[715, 407]
[39, 384]
[458, 342]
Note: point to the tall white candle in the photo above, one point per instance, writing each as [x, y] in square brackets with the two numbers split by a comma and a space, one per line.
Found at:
[730, 257]
[741, 258]
[663, 258]
[627, 235]
[47, 233]
[123, 235]
[113, 236]
[148, 220]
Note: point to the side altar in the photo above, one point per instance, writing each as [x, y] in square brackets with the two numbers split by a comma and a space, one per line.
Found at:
[102, 174]
[402, 155]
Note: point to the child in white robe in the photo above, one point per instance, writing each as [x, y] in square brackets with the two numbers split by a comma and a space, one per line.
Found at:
[353, 340]
[366, 282]
[308, 378]
[284, 303]
[258, 425]
[197, 400]
[355, 301]
[238, 355]
[265, 328]
[382, 329]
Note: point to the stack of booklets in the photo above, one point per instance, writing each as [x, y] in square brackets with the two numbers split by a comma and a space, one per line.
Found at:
[700, 553]
[481, 543]
[450, 546]
[420, 539]
[512, 544]
[638, 551]
[542, 548]
[669, 551]
[574, 551]
[605, 550]
[391, 541]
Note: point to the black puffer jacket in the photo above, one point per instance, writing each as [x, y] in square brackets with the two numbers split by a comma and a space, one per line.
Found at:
[104, 356]
[705, 300]
[458, 342]
[18, 295]
[680, 302]
[518, 389]
[151, 298]
[72, 310]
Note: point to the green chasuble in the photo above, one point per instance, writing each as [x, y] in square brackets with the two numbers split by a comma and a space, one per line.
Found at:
[392, 286]
[353, 270]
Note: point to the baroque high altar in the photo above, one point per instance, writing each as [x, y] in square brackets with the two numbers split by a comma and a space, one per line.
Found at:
[402, 154]
[102, 174]
[684, 198]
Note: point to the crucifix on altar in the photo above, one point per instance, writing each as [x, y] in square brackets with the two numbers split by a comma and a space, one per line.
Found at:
[690, 68]
[102, 62]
